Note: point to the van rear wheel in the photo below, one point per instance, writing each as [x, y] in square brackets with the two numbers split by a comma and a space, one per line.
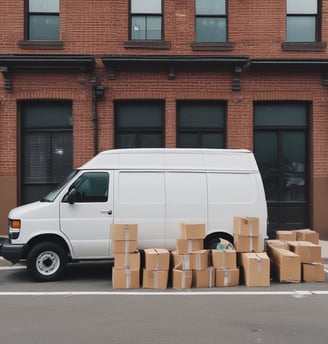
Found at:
[47, 261]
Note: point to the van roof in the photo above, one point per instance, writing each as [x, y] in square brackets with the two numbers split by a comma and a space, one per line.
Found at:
[174, 159]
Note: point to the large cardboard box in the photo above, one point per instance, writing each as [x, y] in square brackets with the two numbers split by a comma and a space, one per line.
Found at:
[157, 259]
[181, 261]
[309, 252]
[313, 272]
[199, 260]
[307, 235]
[182, 279]
[203, 278]
[286, 265]
[244, 243]
[189, 245]
[192, 231]
[247, 226]
[256, 269]
[286, 235]
[127, 261]
[154, 279]
[125, 278]
[224, 259]
[124, 232]
[124, 246]
[227, 277]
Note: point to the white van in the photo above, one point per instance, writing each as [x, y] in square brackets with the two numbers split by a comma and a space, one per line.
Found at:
[158, 189]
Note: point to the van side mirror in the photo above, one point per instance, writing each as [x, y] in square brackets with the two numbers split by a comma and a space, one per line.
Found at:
[72, 196]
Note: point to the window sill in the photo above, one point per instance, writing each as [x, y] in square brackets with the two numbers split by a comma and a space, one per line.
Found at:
[147, 44]
[53, 45]
[196, 46]
[304, 46]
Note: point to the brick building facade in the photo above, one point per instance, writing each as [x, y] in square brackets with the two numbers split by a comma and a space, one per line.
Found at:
[78, 77]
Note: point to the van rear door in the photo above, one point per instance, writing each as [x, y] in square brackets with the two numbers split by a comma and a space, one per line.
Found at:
[86, 220]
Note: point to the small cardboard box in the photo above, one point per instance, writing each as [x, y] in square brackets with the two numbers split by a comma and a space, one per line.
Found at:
[224, 259]
[286, 235]
[247, 226]
[192, 231]
[227, 277]
[124, 246]
[157, 259]
[199, 260]
[155, 279]
[181, 260]
[313, 272]
[127, 261]
[244, 243]
[286, 265]
[256, 269]
[309, 252]
[307, 235]
[125, 278]
[182, 279]
[203, 278]
[189, 245]
[124, 232]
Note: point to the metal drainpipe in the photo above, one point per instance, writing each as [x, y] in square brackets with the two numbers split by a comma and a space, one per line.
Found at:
[98, 93]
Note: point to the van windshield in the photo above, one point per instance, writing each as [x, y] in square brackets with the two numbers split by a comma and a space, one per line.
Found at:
[55, 192]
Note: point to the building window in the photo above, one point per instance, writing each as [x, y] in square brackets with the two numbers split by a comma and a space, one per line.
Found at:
[43, 20]
[211, 21]
[280, 147]
[146, 20]
[200, 125]
[139, 124]
[302, 21]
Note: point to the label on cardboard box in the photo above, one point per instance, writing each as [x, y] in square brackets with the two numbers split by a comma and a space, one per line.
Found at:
[224, 259]
[125, 278]
[248, 226]
[192, 231]
[154, 279]
[124, 231]
[127, 261]
[203, 278]
[157, 259]
[227, 277]
[189, 245]
[124, 246]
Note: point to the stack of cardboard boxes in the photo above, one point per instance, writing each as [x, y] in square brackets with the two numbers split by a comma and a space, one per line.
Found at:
[226, 271]
[126, 269]
[249, 244]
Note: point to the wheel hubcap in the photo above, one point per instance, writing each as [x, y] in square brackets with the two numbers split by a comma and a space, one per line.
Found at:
[47, 263]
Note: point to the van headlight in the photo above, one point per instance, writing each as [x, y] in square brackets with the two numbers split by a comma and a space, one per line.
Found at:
[14, 228]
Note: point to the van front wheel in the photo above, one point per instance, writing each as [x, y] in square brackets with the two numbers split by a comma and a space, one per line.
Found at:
[47, 261]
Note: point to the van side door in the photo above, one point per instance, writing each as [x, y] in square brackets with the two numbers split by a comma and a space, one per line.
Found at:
[86, 214]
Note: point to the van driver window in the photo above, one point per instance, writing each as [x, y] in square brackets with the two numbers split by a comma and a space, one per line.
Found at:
[92, 187]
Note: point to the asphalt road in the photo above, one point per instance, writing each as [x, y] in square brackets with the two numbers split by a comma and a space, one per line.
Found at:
[83, 308]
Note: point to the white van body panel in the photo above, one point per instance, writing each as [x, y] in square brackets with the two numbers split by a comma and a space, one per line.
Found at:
[156, 188]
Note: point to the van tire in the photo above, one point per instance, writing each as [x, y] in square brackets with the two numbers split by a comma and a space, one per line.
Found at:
[47, 261]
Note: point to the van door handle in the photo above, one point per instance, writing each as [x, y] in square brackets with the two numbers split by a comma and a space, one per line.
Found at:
[109, 212]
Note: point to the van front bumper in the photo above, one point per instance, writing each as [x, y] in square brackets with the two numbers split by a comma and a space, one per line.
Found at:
[11, 252]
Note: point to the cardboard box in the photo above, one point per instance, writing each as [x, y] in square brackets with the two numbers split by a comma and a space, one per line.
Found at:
[309, 252]
[199, 260]
[192, 231]
[181, 261]
[247, 226]
[244, 243]
[224, 259]
[157, 259]
[124, 232]
[181, 279]
[124, 246]
[286, 265]
[286, 235]
[313, 272]
[189, 245]
[155, 279]
[227, 277]
[307, 235]
[203, 278]
[256, 269]
[125, 278]
[127, 261]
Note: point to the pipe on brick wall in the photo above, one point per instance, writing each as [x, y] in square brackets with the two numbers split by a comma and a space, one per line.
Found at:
[98, 93]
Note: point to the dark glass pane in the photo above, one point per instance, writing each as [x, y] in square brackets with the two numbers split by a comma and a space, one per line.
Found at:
[211, 30]
[266, 153]
[49, 6]
[293, 169]
[213, 140]
[150, 141]
[44, 27]
[210, 7]
[138, 28]
[188, 140]
[301, 29]
[62, 156]
[280, 115]
[126, 141]
[92, 187]
[34, 192]
[154, 28]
